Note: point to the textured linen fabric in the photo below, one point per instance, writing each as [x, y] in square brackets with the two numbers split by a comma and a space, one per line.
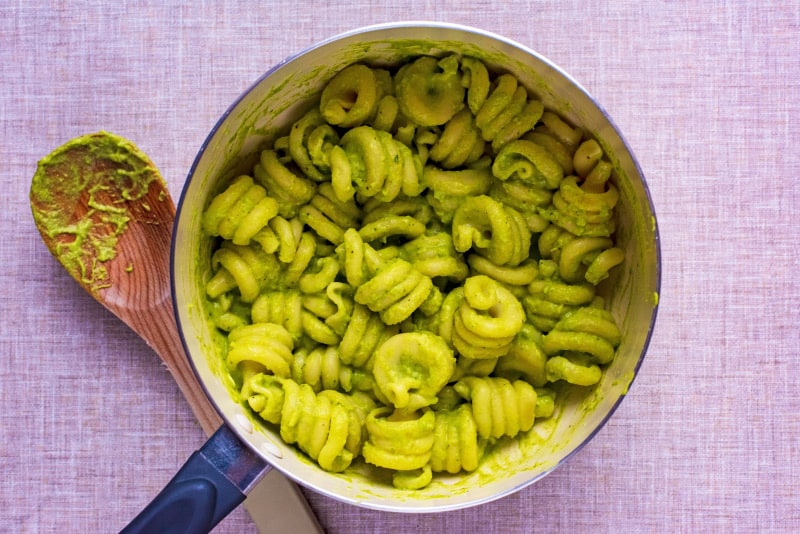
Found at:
[708, 97]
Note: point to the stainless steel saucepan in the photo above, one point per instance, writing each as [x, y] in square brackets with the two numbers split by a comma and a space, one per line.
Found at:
[217, 477]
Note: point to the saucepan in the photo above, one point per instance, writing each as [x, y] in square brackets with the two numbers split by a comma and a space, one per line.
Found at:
[216, 478]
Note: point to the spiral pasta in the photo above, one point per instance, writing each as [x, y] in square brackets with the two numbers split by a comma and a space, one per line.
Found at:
[372, 163]
[429, 90]
[364, 333]
[500, 407]
[591, 331]
[322, 426]
[549, 299]
[395, 291]
[339, 306]
[329, 216]
[290, 189]
[386, 427]
[404, 217]
[248, 269]
[240, 212]
[475, 78]
[358, 405]
[350, 98]
[456, 445]
[416, 207]
[525, 359]
[411, 368]
[528, 162]
[390, 225]
[263, 345]
[579, 258]
[434, 256]
[492, 230]
[545, 402]
[296, 255]
[314, 318]
[227, 311]
[586, 209]
[526, 198]
[263, 393]
[582, 212]
[460, 142]
[321, 369]
[554, 145]
[282, 308]
[392, 288]
[319, 275]
[412, 265]
[554, 126]
[310, 141]
[449, 189]
[574, 368]
[507, 113]
[517, 275]
[487, 319]
[466, 366]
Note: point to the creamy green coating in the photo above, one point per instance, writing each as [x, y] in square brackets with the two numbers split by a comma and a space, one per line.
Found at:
[80, 196]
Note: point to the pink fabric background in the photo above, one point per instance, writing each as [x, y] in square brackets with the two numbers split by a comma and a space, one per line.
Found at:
[708, 96]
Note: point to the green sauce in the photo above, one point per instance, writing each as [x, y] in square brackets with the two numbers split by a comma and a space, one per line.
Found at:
[80, 197]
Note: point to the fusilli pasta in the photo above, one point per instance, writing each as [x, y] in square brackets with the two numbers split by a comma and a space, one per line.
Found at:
[409, 268]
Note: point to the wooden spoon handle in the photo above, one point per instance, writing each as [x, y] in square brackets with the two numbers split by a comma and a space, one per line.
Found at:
[160, 331]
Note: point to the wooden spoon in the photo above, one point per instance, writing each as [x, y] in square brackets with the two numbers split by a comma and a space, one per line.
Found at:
[105, 213]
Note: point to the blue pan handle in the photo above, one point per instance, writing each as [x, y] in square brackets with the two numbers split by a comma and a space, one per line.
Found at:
[212, 482]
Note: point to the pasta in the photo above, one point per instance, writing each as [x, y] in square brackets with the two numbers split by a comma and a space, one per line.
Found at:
[550, 299]
[351, 97]
[310, 142]
[487, 320]
[364, 333]
[429, 90]
[262, 346]
[493, 230]
[433, 255]
[324, 426]
[528, 162]
[525, 359]
[448, 189]
[410, 273]
[241, 212]
[289, 188]
[499, 407]
[456, 445]
[329, 216]
[586, 210]
[507, 112]
[245, 268]
[385, 429]
[372, 163]
[411, 368]
[283, 308]
[460, 142]
[579, 258]
[590, 331]
[321, 369]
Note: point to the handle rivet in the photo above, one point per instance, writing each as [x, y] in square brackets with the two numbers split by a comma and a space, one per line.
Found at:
[244, 423]
[272, 449]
